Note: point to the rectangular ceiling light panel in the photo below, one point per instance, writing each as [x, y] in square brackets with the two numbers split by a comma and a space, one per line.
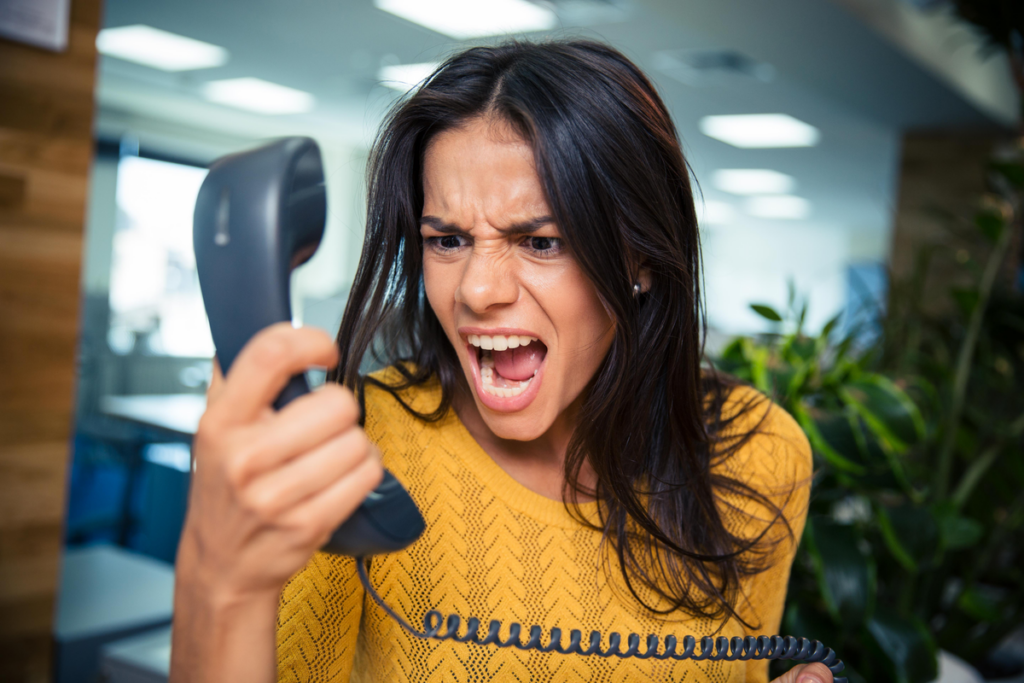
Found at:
[401, 77]
[159, 49]
[760, 130]
[262, 97]
[716, 213]
[462, 19]
[786, 207]
[753, 181]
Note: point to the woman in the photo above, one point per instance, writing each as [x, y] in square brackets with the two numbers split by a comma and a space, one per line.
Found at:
[530, 282]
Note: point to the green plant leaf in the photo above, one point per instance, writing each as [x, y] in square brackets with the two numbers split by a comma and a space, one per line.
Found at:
[759, 357]
[845, 576]
[1013, 172]
[830, 325]
[804, 348]
[960, 532]
[886, 408]
[821, 445]
[973, 475]
[980, 604]
[841, 433]
[908, 649]
[990, 223]
[911, 533]
[734, 351]
[965, 299]
[766, 312]
[810, 623]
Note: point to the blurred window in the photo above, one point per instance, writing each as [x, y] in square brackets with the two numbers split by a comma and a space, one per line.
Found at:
[155, 303]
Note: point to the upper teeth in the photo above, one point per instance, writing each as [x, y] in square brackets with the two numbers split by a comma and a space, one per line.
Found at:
[500, 342]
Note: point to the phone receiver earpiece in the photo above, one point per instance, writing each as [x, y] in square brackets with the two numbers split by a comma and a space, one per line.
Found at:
[259, 215]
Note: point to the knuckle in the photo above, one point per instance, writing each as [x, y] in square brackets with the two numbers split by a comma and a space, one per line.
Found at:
[271, 351]
[374, 474]
[378, 472]
[342, 402]
[308, 530]
[354, 447]
[253, 504]
[209, 427]
[209, 436]
[356, 440]
[235, 473]
[238, 467]
[363, 445]
[263, 505]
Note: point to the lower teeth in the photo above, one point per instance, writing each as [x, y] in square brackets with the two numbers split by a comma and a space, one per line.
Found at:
[487, 379]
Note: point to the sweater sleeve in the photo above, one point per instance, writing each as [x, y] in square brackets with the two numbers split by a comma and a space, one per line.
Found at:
[776, 462]
[318, 622]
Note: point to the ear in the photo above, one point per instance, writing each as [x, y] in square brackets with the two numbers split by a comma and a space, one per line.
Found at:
[643, 274]
[644, 278]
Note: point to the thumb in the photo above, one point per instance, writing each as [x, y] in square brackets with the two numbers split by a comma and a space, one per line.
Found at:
[806, 673]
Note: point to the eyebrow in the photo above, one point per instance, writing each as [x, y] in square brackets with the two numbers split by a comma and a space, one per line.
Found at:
[522, 228]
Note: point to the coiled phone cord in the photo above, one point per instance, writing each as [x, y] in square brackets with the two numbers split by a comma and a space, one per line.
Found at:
[722, 648]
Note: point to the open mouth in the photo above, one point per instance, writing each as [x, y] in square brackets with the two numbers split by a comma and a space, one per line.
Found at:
[508, 367]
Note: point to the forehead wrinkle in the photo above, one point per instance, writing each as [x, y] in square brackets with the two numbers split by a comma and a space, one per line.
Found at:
[482, 172]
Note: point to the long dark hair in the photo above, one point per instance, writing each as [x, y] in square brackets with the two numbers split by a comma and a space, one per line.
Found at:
[651, 425]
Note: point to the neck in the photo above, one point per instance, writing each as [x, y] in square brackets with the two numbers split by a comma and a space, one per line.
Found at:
[539, 464]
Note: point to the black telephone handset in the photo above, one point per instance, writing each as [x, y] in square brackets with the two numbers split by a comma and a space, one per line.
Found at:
[259, 215]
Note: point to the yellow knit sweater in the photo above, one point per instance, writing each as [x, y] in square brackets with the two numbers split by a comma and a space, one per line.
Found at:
[496, 550]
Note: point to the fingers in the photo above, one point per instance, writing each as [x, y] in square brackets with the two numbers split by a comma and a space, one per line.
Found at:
[806, 673]
[322, 513]
[265, 365]
[304, 424]
[280, 489]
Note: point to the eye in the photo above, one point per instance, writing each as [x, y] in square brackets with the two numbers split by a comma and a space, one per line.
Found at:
[544, 246]
[444, 243]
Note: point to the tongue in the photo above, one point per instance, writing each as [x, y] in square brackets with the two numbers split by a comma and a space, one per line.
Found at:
[519, 364]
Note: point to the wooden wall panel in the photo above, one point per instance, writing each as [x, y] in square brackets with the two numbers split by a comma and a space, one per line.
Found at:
[46, 110]
[942, 180]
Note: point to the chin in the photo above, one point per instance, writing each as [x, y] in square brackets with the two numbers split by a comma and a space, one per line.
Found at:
[527, 425]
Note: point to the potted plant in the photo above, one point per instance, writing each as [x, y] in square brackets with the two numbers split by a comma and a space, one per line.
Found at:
[915, 534]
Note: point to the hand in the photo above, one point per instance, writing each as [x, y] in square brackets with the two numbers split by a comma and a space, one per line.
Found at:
[270, 487]
[806, 673]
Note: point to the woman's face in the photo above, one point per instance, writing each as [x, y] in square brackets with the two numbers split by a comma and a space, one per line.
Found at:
[528, 326]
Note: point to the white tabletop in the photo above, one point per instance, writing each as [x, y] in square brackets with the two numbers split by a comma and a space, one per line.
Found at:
[149, 653]
[105, 588]
[175, 412]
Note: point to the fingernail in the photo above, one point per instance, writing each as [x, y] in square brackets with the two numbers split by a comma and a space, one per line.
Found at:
[808, 678]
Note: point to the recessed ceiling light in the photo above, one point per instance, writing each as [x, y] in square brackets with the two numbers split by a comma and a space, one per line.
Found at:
[159, 49]
[752, 181]
[760, 130]
[716, 213]
[255, 94]
[461, 19]
[404, 76]
[778, 206]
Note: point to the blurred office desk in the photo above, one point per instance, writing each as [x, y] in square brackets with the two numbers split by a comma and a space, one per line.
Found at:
[151, 419]
[107, 593]
[177, 414]
[140, 659]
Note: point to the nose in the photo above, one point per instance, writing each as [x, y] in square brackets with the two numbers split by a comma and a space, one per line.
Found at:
[487, 281]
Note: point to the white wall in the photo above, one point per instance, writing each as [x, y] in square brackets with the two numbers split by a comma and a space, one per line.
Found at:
[752, 263]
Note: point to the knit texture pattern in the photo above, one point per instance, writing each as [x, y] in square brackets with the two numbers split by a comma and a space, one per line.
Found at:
[493, 549]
